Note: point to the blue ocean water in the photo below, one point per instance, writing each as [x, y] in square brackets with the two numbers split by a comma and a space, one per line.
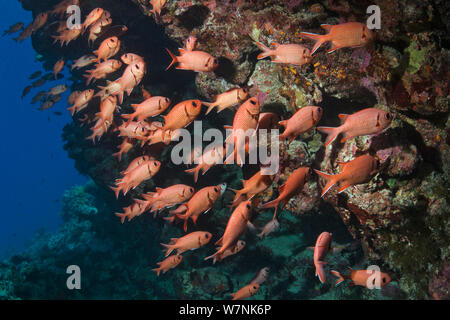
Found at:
[36, 169]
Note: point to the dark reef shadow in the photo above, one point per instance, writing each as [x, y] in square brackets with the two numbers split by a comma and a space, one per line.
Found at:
[193, 17]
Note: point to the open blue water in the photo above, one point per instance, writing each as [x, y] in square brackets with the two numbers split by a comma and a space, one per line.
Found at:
[35, 168]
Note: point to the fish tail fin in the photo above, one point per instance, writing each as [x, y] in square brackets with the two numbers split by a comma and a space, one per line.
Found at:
[116, 191]
[340, 277]
[72, 110]
[122, 216]
[157, 270]
[195, 171]
[266, 51]
[169, 248]
[170, 219]
[332, 133]
[237, 195]
[210, 106]
[174, 59]
[320, 272]
[331, 181]
[216, 256]
[272, 204]
[319, 38]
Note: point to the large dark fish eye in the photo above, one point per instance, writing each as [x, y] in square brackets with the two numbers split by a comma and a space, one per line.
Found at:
[137, 66]
[206, 235]
[245, 90]
[254, 287]
[191, 190]
[388, 116]
[319, 109]
[216, 189]
[155, 164]
[248, 206]
[167, 99]
[253, 102]
[384, 280]
[215, 61]
[179, 257]
[194, 104]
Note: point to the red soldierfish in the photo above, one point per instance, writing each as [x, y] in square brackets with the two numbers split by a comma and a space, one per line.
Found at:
[361, 277]
[302, 121]
[295, 54]
[191, 241]
[350, 34]
[323, 246]
[198, 61]
[236, 227]
[366, 121]
[293, 185]
[357, 171]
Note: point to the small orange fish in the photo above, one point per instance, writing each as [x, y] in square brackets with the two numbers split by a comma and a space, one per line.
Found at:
[293, 185]
[229, 252]
[227, 99]
[236, 227]
[201, 202]
[256, 184]
[191, 42]
[210, 157]
[157, 6]
[246, 291]
[361, 277]
[130, 58]
[92, 17]
[198, 61]
[182, 114]
[81, 101]
[135, 130]
[191, 241]
[356, 171]
[132, 211]
[124, 147]
[246, 118]
[107, 108]
[295, 54]
[151, 107]
[39, 21]
[323, 246]
[168, 197]
[168, 263]
[102, 70]
[349, 34]
[67, 35]
[136, 162]
[363, 122]
[302, 121]
[59, 65]
[107, 49]
[135, 177]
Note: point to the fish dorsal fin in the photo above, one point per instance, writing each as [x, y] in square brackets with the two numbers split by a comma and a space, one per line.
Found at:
[181, 50]
[158, 190]
[228, 127]
[343, 117]
[134, 105]
[275, 44]
[326, 26]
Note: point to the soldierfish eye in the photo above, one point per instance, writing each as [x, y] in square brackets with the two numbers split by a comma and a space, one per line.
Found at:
[254, 287]
[191, 190]
[194, 104]
[216, 189]
[206, 236]
[137, 66]
[248, 206]
[155, 164]
[388, 116]
[319, 109]
[252, 101]
[166, 99]
[216, 61]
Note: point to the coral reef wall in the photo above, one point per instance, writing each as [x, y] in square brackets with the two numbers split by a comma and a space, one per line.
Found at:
[399, 220]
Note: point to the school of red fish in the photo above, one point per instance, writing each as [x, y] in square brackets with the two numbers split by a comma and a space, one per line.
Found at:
[138, 128]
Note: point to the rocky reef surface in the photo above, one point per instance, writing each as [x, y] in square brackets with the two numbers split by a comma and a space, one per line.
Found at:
[399, 220]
